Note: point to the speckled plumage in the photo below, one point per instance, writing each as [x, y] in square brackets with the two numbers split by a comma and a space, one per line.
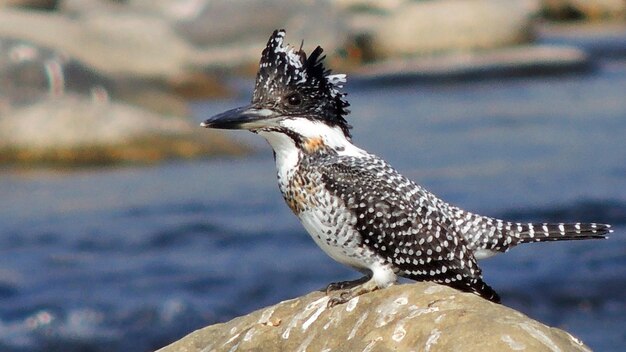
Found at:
[356, 207]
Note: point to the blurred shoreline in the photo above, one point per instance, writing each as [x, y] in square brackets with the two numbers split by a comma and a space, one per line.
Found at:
[118, 74]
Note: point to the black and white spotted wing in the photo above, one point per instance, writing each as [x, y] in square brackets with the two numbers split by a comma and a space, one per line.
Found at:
[403, 223]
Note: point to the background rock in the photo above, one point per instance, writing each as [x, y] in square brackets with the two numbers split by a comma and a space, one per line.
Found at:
[171, 43]
[435, 27]
[96, 55]
[33, 4]
[55, 110]
[113, 44]
[29, 72]
[584, 9]
[223, 33]
[521, 60]
[419, 316]
[189, 46]
[71, 130]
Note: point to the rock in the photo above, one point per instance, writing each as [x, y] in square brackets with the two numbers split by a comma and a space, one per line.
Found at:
[369, 5]
[231, 23]
[171, 43]
[115, 45]
[432, 27]
[584, 9]
[29, 72]
[74, 130]
[411, 317]
[55, 110]
[32, 4]
[523, 60]
[246, 22]
[227, 33]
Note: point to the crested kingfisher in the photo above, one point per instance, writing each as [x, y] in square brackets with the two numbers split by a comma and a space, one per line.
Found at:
[355, 206]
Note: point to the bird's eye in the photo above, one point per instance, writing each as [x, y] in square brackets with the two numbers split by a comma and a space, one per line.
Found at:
[294, 99]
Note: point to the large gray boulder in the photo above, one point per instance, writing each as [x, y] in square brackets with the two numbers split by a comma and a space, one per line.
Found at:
[412, 317]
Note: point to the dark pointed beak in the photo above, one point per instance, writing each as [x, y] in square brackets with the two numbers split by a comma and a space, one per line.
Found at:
[246, 117]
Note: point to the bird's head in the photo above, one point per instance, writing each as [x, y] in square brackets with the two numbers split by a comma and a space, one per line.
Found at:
[294, 95]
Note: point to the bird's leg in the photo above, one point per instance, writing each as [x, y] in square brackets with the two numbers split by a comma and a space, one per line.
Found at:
[361, 286]
[342, 285]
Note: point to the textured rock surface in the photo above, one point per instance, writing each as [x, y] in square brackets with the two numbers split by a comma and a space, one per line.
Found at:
[415, 317]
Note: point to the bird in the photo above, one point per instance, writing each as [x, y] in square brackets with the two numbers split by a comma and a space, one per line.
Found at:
[356, 207]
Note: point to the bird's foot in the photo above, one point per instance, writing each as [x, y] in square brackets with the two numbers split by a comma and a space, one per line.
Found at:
[342, 285]
[344, 295]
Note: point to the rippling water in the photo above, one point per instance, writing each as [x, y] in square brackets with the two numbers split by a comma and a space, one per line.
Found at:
[134, 258]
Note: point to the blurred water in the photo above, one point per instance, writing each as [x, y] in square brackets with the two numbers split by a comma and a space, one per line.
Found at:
[134, 258]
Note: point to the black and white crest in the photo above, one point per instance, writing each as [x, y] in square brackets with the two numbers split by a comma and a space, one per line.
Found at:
[298, 85]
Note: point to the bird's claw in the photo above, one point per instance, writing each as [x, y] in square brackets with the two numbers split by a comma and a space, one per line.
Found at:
[340, 298]
[335, 286]
[341, 285]
[350, 290]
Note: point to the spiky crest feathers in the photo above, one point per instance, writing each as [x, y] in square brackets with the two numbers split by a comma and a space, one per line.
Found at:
[284, 69]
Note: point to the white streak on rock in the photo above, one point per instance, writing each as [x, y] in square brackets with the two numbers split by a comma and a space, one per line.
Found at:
[540, 336]
[234, 348]
[398, 333]
[315, 315]
[401, 301]
[388, 310]
[514, 345]
[370, 346]
[266, 315]
[232, 338]
[352, 304]
[305, 343]
[416, 311]
[249, 334]
[335, 316]
[432, 339]
[433, 289]
[439, 318]
[577, 341]
[357, 325]
[322, 302]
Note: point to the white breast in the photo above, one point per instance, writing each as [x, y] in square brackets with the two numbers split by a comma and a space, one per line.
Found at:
[334, 235]
[340, 242]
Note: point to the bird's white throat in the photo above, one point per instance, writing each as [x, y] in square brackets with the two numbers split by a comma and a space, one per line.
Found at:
[288, 153]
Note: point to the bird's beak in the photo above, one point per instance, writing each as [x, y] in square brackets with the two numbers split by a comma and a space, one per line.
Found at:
[246, 117]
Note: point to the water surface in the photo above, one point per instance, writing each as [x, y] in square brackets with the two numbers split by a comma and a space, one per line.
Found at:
[134, 258]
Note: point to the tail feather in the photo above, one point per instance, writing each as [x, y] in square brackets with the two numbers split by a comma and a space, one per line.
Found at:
[541, 232]
[491, 235]
[476, 286]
